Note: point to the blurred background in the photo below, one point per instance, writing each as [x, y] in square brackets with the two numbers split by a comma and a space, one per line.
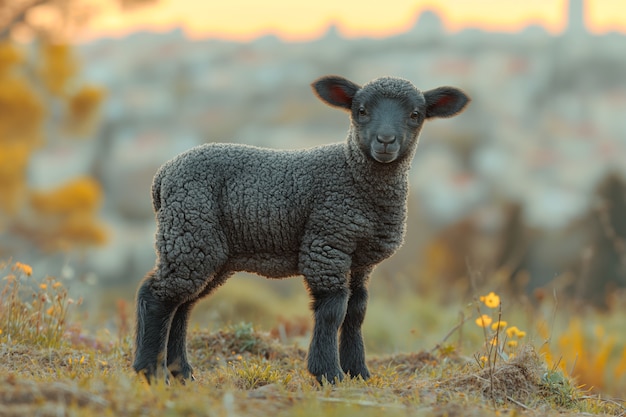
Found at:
[523, 194]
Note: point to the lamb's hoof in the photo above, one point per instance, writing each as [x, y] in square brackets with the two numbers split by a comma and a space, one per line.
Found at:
[359, 372]
[152, 373]
[181, 373]
[184, 380]
[332, 377]
[149, 373]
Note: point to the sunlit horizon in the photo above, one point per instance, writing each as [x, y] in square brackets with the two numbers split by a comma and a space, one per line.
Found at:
[243, 20]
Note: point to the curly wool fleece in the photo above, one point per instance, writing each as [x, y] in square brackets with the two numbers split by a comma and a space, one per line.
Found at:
[242, 208]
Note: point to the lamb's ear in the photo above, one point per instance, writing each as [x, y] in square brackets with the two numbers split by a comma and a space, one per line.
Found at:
[335, 91]
[445, 102]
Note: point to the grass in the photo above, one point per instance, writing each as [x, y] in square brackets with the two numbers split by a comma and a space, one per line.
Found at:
[51, 366]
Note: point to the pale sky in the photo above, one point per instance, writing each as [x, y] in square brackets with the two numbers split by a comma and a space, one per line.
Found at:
[303, 20]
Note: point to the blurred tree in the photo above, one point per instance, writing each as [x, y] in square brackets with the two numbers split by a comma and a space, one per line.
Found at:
[43, 101]
[602, 267]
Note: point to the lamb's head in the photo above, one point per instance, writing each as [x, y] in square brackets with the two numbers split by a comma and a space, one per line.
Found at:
[387, 113]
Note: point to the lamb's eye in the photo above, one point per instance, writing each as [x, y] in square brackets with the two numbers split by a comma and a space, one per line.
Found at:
[415, 115]
[362, 111]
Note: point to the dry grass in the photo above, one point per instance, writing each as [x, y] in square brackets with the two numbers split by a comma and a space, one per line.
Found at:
[62, 382]
[256, 375]
[241, 371]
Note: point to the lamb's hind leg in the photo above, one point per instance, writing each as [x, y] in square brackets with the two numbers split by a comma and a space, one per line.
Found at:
[177, 362]
[154, 315]
[164, 301]
[351, 347]
[183, 271]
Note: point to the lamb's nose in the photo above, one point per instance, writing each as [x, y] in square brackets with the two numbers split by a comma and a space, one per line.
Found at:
[386, 139]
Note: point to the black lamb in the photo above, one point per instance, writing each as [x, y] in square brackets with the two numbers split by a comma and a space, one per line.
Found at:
[330, 213]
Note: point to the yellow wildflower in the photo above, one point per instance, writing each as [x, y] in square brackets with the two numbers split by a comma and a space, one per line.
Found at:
[499, 325]
[483, 321]
[50, 311]
[43, 286]
[512, 343]
[491, 300]
[56, 285]
[513, 331]
[483, 359]
[26, 269]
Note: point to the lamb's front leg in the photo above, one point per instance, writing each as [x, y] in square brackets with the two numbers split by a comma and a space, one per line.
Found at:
[325, 271]
[329, 309]
[351, 347]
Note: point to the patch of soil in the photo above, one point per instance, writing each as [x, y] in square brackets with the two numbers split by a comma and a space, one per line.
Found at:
[405, 363]
[227, 345]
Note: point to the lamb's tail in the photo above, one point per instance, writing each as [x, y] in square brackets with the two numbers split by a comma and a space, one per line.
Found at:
[156, 190]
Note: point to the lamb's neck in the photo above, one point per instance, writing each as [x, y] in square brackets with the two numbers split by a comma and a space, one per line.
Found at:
[384, 182]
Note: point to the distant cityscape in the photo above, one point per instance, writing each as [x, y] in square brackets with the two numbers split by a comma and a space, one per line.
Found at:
[546, 121]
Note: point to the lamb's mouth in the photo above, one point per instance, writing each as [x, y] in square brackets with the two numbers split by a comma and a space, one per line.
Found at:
[384, 157]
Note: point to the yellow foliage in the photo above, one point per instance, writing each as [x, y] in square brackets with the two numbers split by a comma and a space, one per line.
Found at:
[85, 102]
[588, 356]
[66, 216]
[21, 116]
[13, 163]
[58, 67]
[438, 257]
[83, 109]
[9, 56]
[62, 234]
[620, 369]
[80, 229]
[585, 356]
[21, 112]
[82, 194]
